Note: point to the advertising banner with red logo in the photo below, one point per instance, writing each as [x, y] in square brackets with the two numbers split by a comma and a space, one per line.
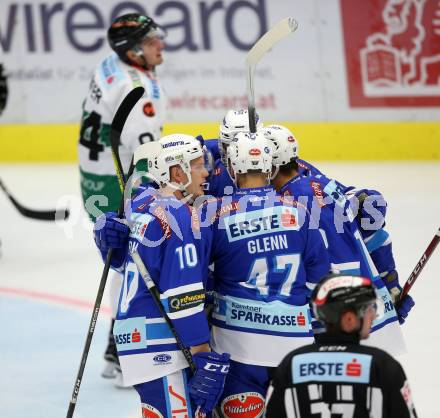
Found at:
[346, 57]
[392, 52]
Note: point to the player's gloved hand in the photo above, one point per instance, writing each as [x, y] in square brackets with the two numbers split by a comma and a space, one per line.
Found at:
[370, 201]
[206, 386]
[110, 232]
[402, 306]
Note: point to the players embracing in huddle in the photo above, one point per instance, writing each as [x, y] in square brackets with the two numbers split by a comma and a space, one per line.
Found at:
[267, 247]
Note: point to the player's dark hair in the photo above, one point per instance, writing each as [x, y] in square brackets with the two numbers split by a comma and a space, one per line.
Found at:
[288, 168]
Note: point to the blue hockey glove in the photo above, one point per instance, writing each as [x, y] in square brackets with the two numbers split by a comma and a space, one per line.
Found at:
[370, 203]
[206, 386]
[110, 232]
[402, 306]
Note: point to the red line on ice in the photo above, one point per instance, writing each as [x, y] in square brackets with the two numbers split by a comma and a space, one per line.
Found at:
[49, 297]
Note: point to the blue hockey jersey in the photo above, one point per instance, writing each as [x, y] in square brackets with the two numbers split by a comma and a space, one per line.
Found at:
[378, 242]
[266, 261]
[371, 223]
[219, 181]
[162, 232]
[331, 213]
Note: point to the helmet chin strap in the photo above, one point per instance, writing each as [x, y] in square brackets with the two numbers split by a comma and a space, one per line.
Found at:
[140, 53]
[187, 197]
[275, 172]
[269, 178]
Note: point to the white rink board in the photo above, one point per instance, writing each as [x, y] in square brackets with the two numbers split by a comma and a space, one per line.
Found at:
[303, 78]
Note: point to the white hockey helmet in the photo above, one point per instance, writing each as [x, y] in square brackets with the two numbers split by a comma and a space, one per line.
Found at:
[283, 142]
[234, 121]
[170, 150]
[249, 152]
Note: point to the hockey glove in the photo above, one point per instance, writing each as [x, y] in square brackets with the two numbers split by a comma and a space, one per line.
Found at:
[402, 306]
[206, 386]
[371, 212]
[110, 232]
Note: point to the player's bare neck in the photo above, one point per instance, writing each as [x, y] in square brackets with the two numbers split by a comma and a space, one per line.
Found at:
[139, 62]
[170, 191]
[282, 179]
[252, 181]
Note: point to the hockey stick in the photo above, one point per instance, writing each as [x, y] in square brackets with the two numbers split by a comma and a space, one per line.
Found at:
[267, 41]
[155, 294]
[420, 265]
[41, 215]
[117, 125]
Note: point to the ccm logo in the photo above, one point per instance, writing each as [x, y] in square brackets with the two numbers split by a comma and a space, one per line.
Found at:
[212, 367]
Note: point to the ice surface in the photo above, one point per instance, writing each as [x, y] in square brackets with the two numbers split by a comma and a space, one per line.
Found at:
[49, 275]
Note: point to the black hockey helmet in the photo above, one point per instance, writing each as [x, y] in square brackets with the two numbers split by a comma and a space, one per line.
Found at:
[336, 294]
[129, 30]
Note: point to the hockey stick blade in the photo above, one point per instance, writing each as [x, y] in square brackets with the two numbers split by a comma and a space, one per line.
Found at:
[266, 42]
[270, 38]
[41, 215]
[420, 265]
[117, 125]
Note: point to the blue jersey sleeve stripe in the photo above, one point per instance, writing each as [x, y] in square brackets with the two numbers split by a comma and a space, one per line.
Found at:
[182, 289]
[158, 331]
[382, 324]
[378, 239]
[187, 312]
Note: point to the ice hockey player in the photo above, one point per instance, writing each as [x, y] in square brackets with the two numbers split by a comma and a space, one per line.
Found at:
[162, 234]
[137, 42]
[369, 206]
[235, 121]
[336, 376]
[265, 264]
[333, 215]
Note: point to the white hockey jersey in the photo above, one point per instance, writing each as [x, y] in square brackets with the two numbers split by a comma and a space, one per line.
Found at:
[111, 82]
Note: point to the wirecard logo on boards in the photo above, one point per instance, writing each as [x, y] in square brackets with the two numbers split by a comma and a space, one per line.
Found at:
[85, 23]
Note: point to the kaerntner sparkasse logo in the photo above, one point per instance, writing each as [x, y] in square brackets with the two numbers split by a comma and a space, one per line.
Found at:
[392, 50]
